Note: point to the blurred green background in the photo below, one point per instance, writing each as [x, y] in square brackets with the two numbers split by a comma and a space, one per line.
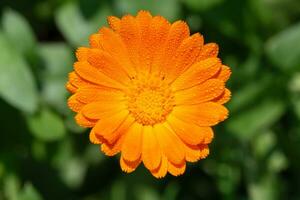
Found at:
[45, 155]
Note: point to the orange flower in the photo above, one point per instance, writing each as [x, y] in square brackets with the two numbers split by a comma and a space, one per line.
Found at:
[150, 91]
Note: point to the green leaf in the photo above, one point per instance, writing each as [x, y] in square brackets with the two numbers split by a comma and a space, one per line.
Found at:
[146, 193]
[38, 150]
[90, 153]
[29, 193]
[202, 5]
[58, 58]
[284, 48]
[261, 116]
[18, 31]
[99, 19]
[277, 161]
[72, 24]
[118, 190]
[71, 123]
[73, 172]
[55, 93]
[71, 168]
[266, 188]
[294, 84]
[11, 187]
[247, 94]
[46, 125]
[2, 169]
[17, 84]
[296, 104]
[171, 191]
[58, 61]
[167, 8]
[263, 143]
[294, 88]
[229, 177]
[262, 10]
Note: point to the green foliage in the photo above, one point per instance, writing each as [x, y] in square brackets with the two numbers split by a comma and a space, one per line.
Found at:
[46, 126]
[72, 24]
[57, 58]
[202, 5]
[17, 84]
[13, 191]
[167, 8]
[255, 154]
[15, 25]
[284, 48]
[258, 117]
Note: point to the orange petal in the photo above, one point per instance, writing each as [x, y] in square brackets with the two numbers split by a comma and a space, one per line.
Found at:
[102, 109]
[143, 15]
[130, 34]
[158, 32]
[108, 65]
[209, 136]
[82, 53]
[144, 19]
[185, 56]
[189, 133]
[110, 124]
[112, 43]
[132, 145]
[78, 82]
[206, 114]
[162, 170]
[178, 32]
[176, 169]
[95, 41]
[71, 88]
[98, 93]
[194, 153]
[114, 23]
[197, 73]
[208, 50]
[92, 74]
[94, 139]
[170, 143]
[224, 98]
[204, 151]
[128, 166]
[204, 92]
[224, 73]
[151, 153]
[74, 104]
[114, 148]
[83, 121]
[120, 131]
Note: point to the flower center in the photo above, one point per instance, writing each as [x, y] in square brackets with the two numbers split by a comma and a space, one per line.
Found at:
[150, 99]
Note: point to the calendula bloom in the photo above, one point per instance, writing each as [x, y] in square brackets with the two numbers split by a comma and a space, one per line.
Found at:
[150, 91]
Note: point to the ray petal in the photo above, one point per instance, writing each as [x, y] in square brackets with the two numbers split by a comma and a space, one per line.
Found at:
[132, 145]
[197, 73]
[205, 114]
[204, 92]
[170, 143]
[151, 153]
[190, 133]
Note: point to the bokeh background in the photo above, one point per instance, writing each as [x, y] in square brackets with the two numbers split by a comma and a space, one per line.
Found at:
[45, 155]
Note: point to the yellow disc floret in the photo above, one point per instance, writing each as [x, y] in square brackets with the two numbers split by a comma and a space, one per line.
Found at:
[150, 99]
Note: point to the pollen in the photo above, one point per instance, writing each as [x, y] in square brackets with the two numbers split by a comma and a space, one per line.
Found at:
[150, 99]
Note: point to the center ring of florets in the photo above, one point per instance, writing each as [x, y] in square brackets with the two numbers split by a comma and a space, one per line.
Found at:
[150, 100]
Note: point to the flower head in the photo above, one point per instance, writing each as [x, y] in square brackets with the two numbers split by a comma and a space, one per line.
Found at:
[150, 91]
